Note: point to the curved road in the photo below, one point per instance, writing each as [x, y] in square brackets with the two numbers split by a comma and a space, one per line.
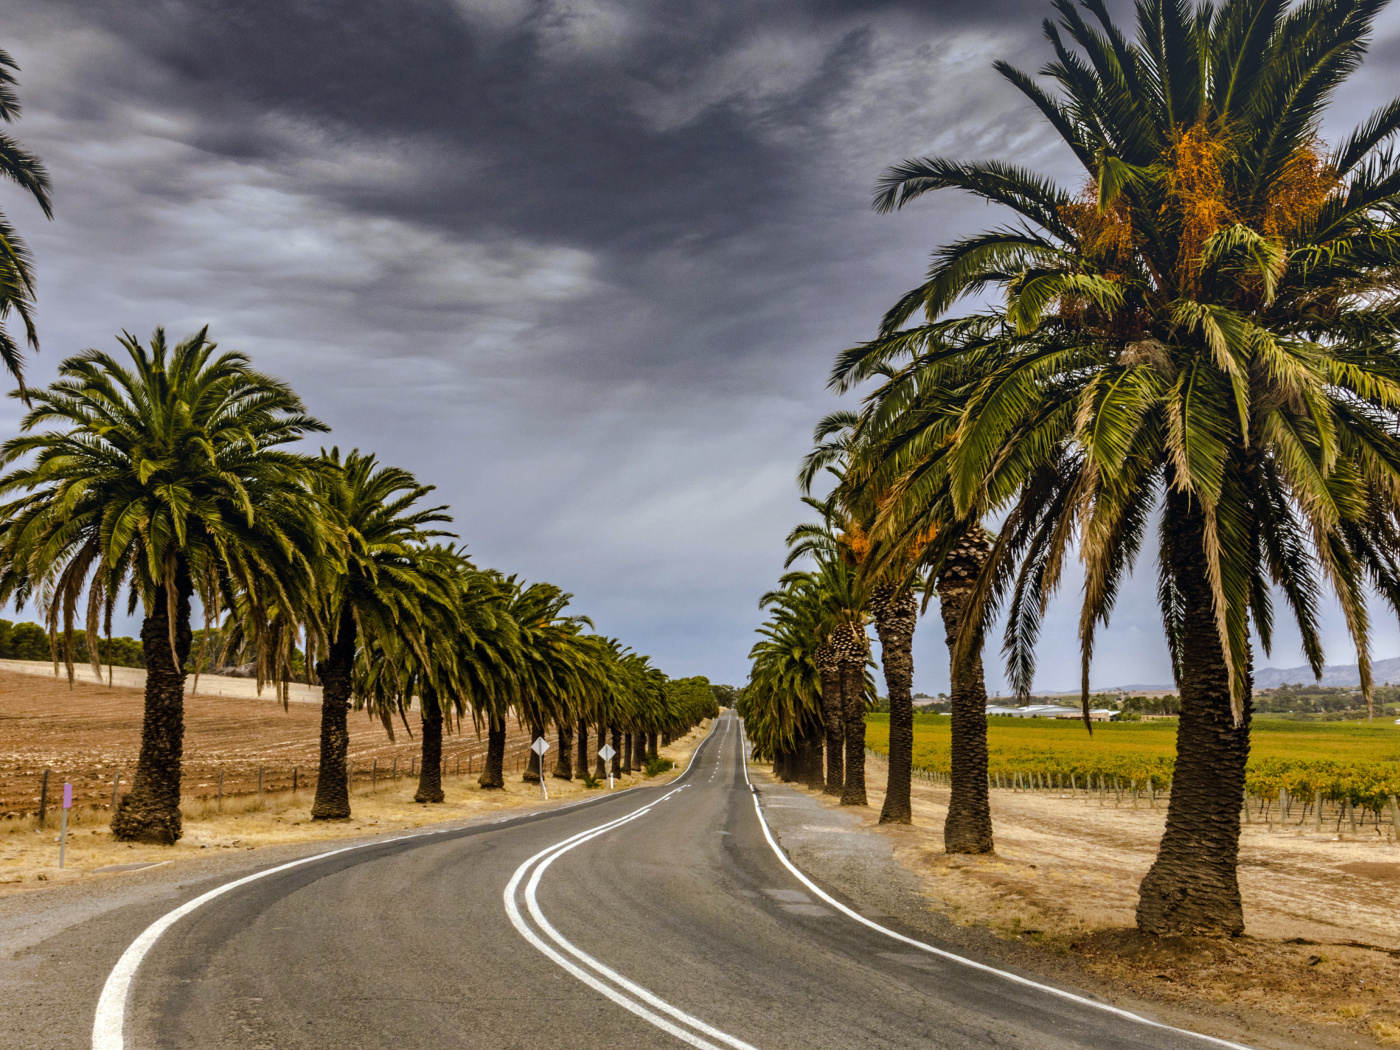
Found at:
[657, 917]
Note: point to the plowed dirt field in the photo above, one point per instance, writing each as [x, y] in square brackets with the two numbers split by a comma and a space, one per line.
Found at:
[89, 734]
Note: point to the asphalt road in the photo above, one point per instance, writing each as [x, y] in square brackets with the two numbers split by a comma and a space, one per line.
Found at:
[657, 917]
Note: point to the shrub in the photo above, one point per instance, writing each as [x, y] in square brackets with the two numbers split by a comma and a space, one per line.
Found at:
[657, 766]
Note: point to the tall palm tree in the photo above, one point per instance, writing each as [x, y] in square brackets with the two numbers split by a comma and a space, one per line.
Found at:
[783, 704]
[552, 663]
[161, 472]
[888, 583]
[382, 592]
[1204, 333]
[16, 275]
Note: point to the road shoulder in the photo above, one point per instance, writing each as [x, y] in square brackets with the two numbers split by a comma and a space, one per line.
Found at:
[849, 855]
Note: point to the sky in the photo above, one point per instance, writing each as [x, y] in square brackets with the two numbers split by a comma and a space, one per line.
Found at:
[581, 264]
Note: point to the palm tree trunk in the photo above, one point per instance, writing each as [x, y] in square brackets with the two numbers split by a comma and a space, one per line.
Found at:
[583, 762]
[665, 738]
[493, 776]
[651, 745]
[627, 752]
[812, 775]
[896, 614]
[617, 752]
[332, 800]
[853, 705]
[834, 720]
[1193, 885]
[564, 761]
[150, 811]
[968, 827]
[601, 770]
[430, 776]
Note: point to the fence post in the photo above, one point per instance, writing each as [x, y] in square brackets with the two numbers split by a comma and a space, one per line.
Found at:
[1317, 805]
[219, 797]
[44, 798]
[1151, 795]
[294, 781]
[116, 779]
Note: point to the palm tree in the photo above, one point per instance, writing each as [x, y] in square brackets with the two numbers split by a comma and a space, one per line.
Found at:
[16, 277]
[889, 584]
[783, 705]
[553, 665]
[161, 473]
[1204, 333]
[382, 593]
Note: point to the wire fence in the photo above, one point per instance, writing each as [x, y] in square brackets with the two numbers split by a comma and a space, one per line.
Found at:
[1318, 814]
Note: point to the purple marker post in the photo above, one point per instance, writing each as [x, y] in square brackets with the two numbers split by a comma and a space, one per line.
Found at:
[63, 832]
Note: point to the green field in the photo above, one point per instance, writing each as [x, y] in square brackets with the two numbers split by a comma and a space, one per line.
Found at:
[1361, 762]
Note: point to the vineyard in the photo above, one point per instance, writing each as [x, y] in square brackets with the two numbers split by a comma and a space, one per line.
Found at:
[1355, 764]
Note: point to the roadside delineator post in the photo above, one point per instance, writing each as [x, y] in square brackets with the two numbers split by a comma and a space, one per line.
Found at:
[63, 832]
[606, 753]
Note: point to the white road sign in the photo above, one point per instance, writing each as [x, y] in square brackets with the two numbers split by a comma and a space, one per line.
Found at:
[606, 752]
[540, 746]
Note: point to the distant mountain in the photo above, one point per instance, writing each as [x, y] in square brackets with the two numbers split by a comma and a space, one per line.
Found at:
[1332, 674]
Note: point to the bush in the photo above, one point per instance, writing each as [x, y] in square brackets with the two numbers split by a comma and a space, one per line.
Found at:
[590, 781]
[657, 766]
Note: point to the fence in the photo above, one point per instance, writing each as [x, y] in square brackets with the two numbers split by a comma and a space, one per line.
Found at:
[98, 792]
[1317, 814]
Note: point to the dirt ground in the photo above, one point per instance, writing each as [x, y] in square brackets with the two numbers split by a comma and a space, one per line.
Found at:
[1322, 939]
[29, 855]
[89, 734]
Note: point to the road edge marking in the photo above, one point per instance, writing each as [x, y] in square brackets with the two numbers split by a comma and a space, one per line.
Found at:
[943, 953]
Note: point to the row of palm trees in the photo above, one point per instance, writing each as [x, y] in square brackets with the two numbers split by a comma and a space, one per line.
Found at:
[1198, 341]
[165, 472]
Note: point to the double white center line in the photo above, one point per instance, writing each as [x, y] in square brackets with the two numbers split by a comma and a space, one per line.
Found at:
[523, 907]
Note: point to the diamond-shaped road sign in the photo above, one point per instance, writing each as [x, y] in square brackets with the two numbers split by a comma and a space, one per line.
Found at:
[606, 752]
[540, 746]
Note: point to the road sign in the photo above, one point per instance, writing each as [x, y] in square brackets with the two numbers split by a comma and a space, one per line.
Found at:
[539, 747]
[63, 832]
[606, 753]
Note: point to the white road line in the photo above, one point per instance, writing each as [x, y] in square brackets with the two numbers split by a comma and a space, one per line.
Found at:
[608, 982]
[951, 957]
[109, 1023]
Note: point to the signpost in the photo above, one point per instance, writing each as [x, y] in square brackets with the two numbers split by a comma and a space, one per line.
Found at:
[539, 747]
[63, 833]
[606, 753]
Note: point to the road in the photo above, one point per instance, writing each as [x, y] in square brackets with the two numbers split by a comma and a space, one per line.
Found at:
[663, 916]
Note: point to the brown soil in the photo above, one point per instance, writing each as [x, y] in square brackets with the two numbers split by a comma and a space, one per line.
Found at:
[1322, 940]
[88, 734]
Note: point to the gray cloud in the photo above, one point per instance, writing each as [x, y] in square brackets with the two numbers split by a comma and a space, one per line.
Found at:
[581, 263]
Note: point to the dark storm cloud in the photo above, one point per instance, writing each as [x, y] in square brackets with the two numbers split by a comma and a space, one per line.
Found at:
[584, 264]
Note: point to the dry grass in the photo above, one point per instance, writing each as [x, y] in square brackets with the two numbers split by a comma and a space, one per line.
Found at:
[29, 854]
[1322, 937]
